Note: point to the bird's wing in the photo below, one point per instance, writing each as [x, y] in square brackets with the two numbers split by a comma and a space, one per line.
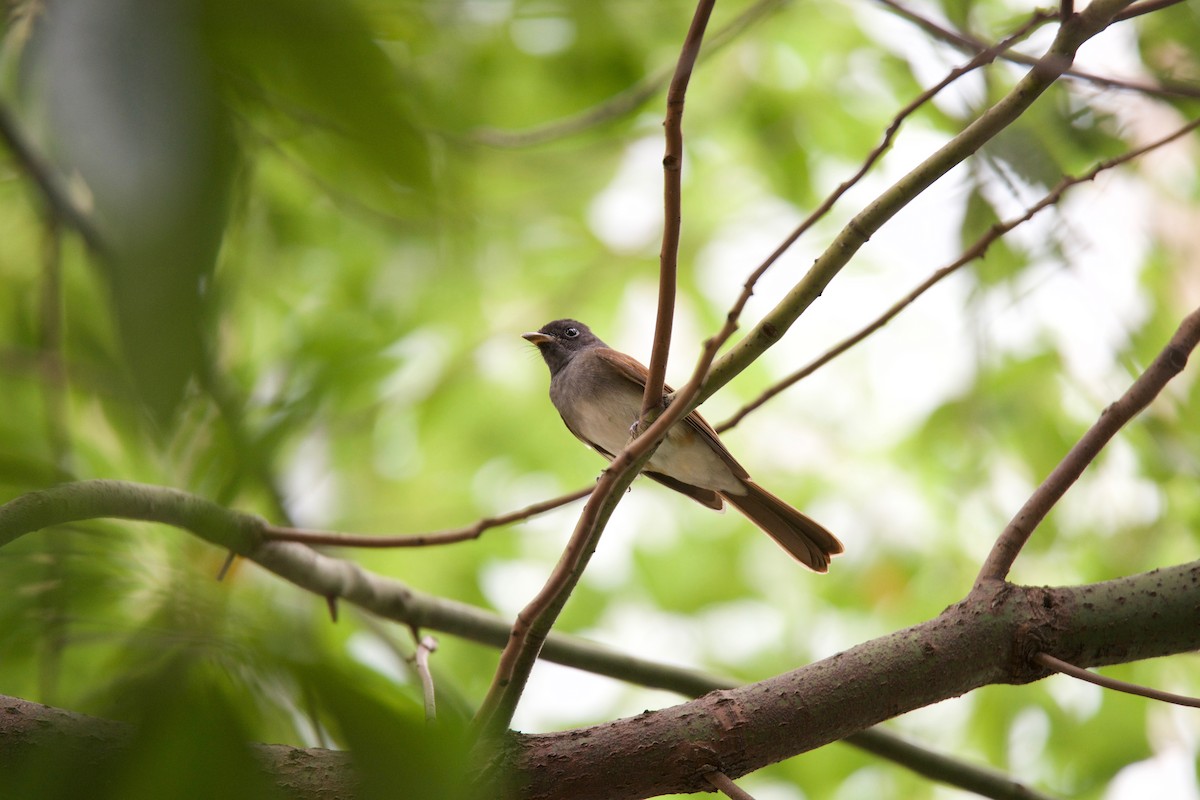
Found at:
[637, 373]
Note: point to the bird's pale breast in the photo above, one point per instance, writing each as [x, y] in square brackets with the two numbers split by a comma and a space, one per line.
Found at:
[685, 455]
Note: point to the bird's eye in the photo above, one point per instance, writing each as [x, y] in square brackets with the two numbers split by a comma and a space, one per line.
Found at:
[571, 333]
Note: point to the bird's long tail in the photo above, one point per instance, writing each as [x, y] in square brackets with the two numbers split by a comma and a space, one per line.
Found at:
[806, 540]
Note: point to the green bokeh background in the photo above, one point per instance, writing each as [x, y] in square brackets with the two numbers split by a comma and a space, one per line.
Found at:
[324, 241]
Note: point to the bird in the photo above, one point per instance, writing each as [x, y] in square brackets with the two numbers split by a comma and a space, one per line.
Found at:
[598, 393]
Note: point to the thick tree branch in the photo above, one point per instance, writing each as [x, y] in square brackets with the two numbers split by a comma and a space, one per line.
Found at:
[319, 574]
[990, 637]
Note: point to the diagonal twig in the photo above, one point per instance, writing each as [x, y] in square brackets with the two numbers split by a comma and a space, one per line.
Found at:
[1058, 665]
[1164, 88]
[54, 192]
[1169, 363]
[281, 533]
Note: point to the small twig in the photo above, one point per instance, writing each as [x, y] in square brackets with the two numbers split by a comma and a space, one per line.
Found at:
[1058, 665]
[722, 783]
[977, 249]
[974, 778]
[1169, 363]
[668, 259]
[284, 534]
[1148, 7]
[54, 193]
[230, 557]
[425, 646]
[1164, 88]
[331, 603]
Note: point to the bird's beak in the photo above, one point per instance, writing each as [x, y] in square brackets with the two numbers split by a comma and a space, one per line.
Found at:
[537, 337]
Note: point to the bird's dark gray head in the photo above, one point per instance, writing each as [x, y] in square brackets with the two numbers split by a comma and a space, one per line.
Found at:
[560, 340]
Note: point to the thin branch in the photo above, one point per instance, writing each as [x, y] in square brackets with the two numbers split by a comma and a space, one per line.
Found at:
[973, 778]
[281, 533]
[962, 41]
[1169, 363]
[977, 250]
[722, 783]
[55, 195]
[425, 646]
[1058, 665]
[625, 102]
[1148, 7]
[668, 259]
[1071, 35]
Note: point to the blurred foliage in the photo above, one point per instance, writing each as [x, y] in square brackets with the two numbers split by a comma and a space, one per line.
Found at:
[316, 271]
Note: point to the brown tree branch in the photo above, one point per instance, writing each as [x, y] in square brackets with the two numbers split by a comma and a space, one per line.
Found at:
[990, 637]
[668, 259]
[534, 622]
[1058, 665]
[54, 193]
[967, 43]
[281, 533]
[1147, 7]
[721, 782]
[1169, 363]
[972, 778]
